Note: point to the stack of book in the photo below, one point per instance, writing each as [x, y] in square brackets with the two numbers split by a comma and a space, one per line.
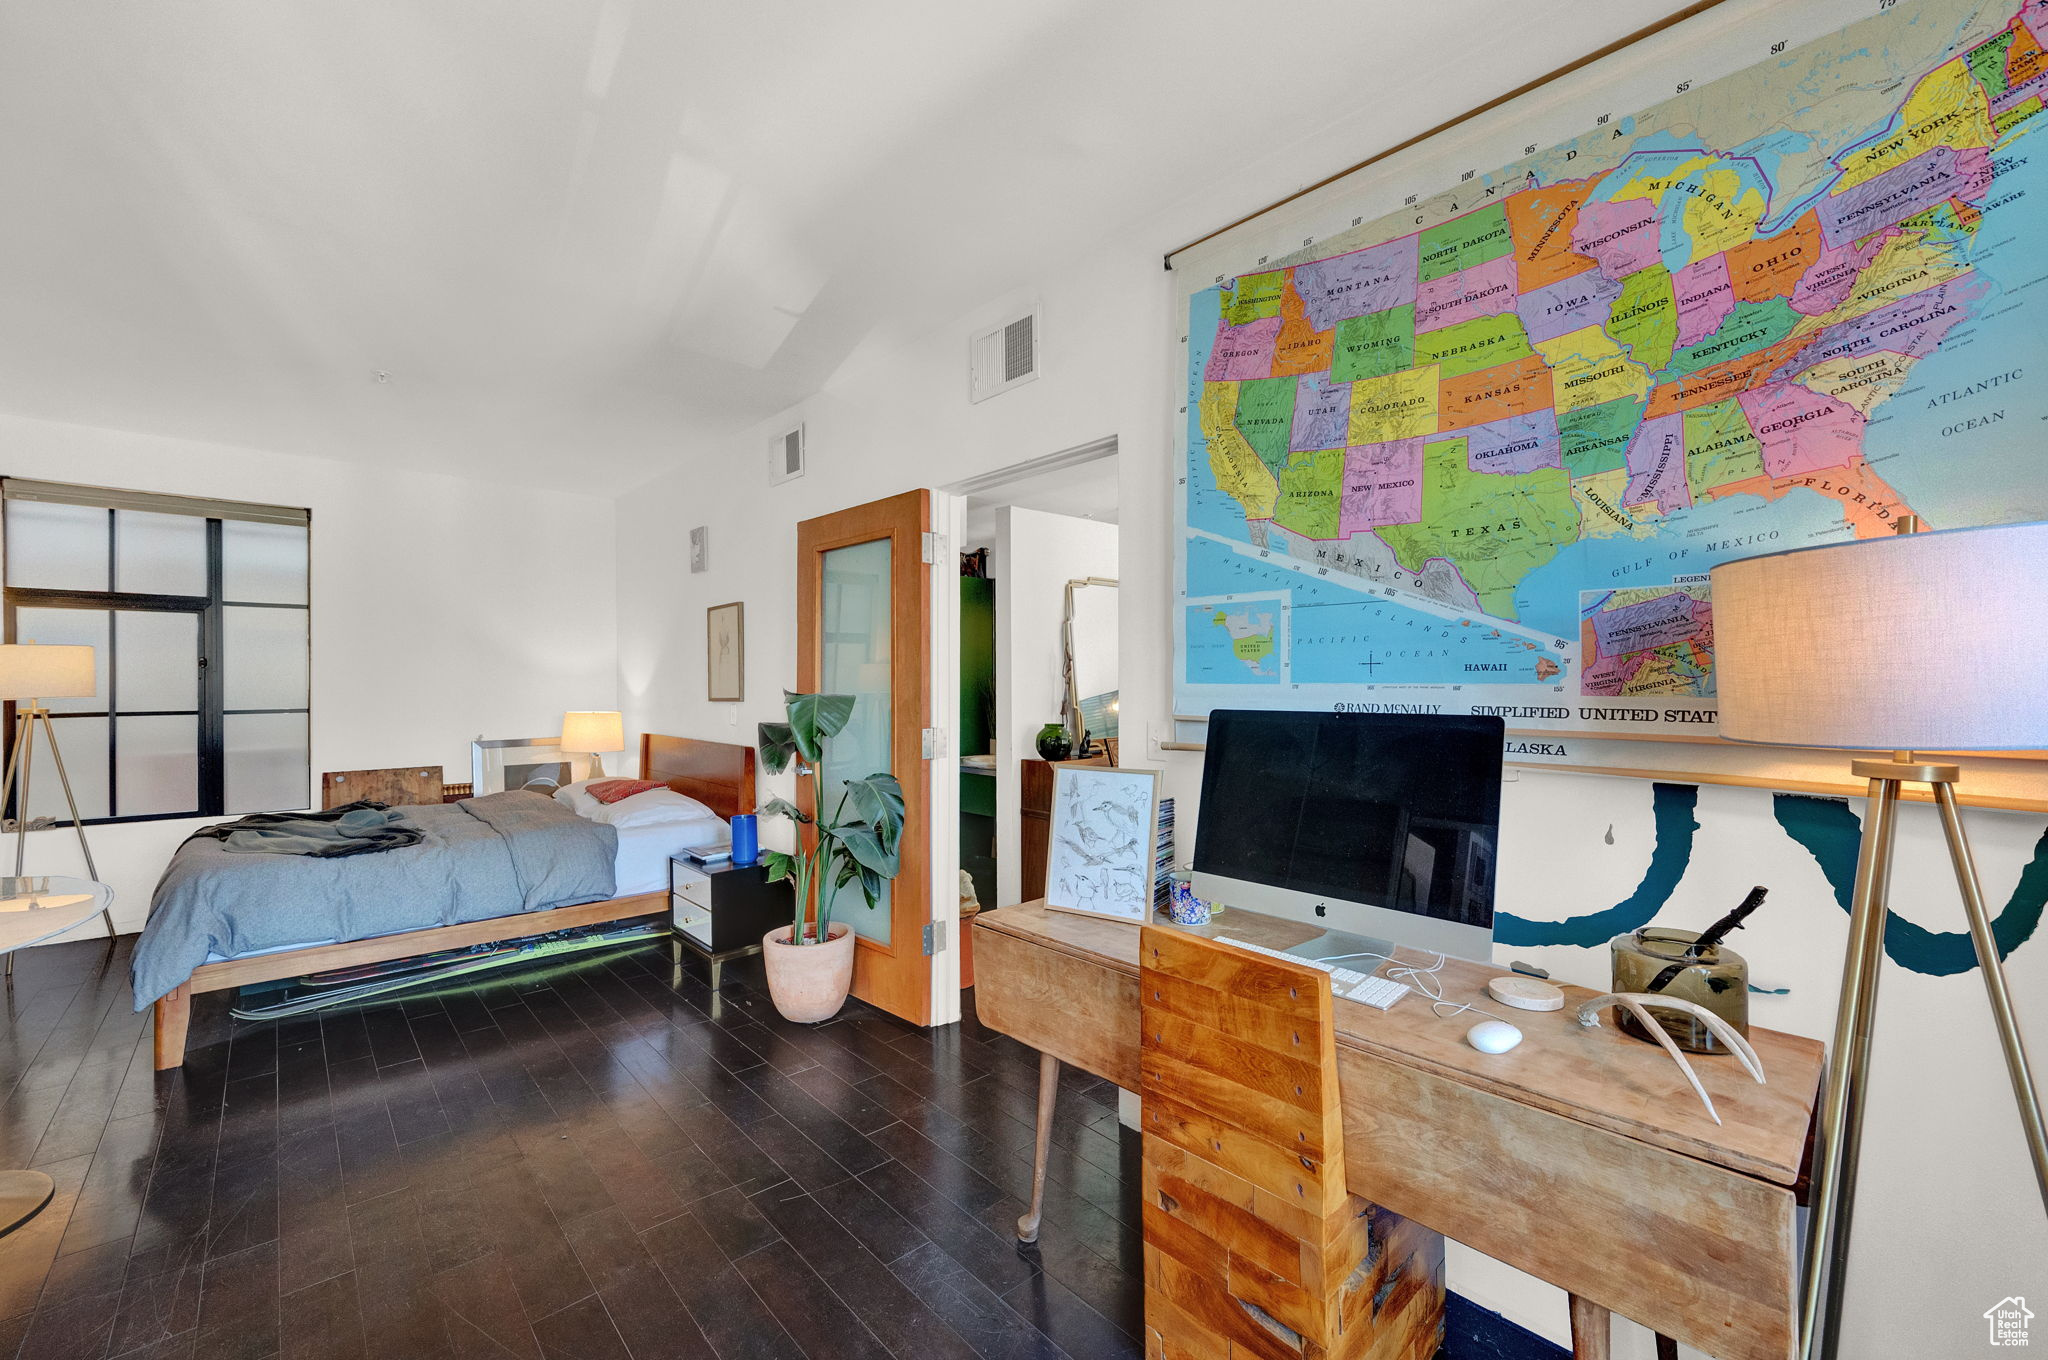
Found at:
[1162, 867]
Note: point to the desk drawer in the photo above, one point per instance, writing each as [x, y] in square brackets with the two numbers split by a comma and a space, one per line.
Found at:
[691, 918]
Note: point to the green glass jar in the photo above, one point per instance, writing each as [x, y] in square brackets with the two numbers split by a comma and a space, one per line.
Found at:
[1054, 743]
[1716, 980]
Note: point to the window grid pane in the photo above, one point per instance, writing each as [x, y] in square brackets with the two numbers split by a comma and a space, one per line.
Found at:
[151, 757]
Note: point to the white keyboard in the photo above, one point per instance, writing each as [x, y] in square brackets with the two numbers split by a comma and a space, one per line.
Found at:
[1368, 989]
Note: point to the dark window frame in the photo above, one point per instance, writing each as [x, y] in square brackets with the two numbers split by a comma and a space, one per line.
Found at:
[212, 712]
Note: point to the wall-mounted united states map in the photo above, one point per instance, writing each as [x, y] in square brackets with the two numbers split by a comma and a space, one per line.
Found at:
[1481, 457]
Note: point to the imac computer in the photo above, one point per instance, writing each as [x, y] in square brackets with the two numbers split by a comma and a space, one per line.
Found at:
[1380, 828]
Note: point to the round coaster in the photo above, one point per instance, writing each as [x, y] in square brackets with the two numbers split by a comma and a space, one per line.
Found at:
[1525, 993]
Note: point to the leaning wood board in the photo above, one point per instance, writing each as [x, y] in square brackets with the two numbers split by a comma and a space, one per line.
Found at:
[1592, 1124]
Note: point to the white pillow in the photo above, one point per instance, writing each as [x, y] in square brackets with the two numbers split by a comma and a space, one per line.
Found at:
[647, 809]
[577, 797]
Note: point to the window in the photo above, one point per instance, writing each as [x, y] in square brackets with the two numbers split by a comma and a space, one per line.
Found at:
[199, 617]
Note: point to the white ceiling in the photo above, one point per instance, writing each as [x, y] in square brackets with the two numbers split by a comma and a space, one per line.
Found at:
[554, 241]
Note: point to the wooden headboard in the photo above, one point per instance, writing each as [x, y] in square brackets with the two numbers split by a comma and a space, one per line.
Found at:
[718, 774]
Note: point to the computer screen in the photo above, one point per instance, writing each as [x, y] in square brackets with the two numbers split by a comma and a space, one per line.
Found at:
[1379, 824]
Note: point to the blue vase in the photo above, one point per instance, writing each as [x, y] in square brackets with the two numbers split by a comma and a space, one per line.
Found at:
[746, 839]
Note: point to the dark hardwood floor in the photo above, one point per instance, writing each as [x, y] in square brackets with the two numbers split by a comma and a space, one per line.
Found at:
[596, 1160]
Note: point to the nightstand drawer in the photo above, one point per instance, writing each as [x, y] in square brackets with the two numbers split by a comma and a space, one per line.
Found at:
[692, 918]
[692, 885]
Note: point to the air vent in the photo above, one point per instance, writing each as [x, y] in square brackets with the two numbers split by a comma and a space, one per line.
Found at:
[700, 549]
[786, 455]
[1001, 357]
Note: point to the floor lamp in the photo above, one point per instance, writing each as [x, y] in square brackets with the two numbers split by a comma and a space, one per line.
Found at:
[1903, 644]
[30, 673]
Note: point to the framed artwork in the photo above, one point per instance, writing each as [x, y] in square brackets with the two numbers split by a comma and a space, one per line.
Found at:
[1100, 855]
[725, 652]
[536, 763]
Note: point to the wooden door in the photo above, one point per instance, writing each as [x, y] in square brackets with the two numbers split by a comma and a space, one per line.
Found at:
[864, 628]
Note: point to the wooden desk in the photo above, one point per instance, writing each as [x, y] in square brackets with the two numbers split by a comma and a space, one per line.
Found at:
[1580, 1156]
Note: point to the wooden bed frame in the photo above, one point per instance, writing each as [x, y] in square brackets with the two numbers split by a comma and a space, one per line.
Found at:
[717, 774]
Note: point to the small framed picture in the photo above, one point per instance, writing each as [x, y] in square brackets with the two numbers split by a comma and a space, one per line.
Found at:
[725, 652]
[1104, 839]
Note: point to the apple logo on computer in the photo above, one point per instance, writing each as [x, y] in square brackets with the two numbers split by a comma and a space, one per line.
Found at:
[1322, 908]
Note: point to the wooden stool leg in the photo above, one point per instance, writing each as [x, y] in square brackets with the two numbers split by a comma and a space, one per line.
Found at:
[1048, 1088]
[1592, 1329]
[173, 1017]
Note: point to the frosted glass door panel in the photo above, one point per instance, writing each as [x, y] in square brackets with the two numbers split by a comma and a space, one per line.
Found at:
[156, 663]
[855, 660]
[263, 563]
[265, 654]
[266, 762]
[83, 743]
[159, 554]
[157, 766]
[56, 547]
[70, 627]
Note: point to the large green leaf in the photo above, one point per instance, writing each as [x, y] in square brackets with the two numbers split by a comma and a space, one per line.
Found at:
[777, 745]
[782, 807]
[878, 801]
[815, 717]
[864, 845]
[778, 865]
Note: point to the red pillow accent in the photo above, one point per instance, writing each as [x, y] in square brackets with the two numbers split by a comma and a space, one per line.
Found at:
[617, 790]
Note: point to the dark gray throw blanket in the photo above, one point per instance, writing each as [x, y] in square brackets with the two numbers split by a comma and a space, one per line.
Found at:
[359, 828]
[497, 855]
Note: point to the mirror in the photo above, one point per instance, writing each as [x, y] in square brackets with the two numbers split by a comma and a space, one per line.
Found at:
[1088, 636]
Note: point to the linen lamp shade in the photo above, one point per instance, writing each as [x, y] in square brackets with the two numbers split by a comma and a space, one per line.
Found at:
[31, 670]
[1920, 642]
[596, 732]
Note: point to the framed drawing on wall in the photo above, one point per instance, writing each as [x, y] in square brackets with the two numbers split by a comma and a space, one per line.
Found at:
[1100, 855]
[725, 652]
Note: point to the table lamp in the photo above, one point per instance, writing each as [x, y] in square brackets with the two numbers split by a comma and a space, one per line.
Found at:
[595, 732]
[1905, 644]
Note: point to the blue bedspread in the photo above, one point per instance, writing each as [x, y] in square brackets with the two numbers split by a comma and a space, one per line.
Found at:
[497, 855]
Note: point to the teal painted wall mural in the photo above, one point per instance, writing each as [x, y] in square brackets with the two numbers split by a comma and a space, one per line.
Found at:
[1826, 828]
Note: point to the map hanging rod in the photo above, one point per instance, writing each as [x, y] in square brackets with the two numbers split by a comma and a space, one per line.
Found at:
[1628, 40]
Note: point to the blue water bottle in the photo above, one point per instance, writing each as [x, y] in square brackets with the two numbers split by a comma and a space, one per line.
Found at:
[746, 839]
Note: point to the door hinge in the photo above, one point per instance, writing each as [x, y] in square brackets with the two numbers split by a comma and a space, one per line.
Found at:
[934, 937]
[934, 742]
[934, 548]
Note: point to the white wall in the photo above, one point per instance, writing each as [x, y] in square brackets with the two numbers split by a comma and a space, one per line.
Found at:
[1948, 1225]
[442, 608]
[1036, 554]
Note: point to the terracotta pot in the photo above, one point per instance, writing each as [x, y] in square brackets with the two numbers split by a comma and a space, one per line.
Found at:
[808, 982]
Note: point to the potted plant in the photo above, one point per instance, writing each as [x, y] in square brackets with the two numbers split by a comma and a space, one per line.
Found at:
[857, 843]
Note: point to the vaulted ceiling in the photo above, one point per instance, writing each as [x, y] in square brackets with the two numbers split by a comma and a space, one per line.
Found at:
[556, 241]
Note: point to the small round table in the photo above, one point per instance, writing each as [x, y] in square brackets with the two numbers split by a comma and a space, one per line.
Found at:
[33, 910]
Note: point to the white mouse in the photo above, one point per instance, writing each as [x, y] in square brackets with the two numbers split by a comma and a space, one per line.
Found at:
[1493, 1036]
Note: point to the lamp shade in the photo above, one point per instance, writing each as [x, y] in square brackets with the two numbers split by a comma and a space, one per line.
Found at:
[1920, 642]
[30, 670]
[593, 731]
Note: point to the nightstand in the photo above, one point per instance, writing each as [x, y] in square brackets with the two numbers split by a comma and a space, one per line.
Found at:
[721, 911]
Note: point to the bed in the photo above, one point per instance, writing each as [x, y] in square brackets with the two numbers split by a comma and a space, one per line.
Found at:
[552, 857]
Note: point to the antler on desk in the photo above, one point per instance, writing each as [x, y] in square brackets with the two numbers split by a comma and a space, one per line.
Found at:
[1636, 1002]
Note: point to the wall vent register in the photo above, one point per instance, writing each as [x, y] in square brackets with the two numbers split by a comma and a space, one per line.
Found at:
[1002, 357]
[786, 456]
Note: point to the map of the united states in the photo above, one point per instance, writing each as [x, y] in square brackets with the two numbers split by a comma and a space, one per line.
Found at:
[1441, 458]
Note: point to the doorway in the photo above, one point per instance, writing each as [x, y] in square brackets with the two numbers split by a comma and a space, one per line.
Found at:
[1037, 647]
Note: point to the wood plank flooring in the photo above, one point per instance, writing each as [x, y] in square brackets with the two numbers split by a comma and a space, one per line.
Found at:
[594, 1160]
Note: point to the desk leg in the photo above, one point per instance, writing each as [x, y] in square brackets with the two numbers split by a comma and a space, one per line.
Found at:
[1592, 1327]
[1667, 1349]
[1048, 1087]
